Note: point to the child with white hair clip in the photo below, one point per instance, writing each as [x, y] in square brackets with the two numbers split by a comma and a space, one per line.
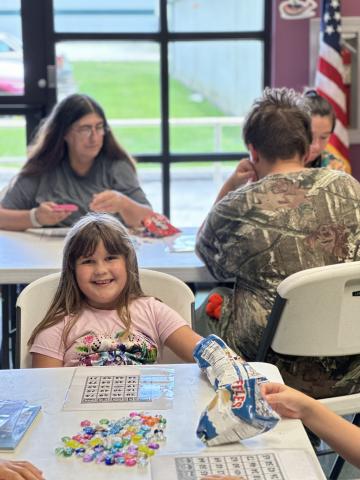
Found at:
[99, 314]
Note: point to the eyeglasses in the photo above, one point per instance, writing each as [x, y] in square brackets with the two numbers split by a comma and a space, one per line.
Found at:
[86, 131]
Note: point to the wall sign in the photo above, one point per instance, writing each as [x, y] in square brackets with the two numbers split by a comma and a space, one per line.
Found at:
[297, 9]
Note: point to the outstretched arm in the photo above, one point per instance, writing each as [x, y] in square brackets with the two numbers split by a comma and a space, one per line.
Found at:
[182, 342]
[21, 219]
[16, 220]
[340, 434]
[43, 361]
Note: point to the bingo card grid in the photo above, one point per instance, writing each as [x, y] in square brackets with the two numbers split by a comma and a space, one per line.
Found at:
[263, 466]
[119, 389]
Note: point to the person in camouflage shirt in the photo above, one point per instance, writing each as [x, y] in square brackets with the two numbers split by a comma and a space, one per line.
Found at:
[272, 218]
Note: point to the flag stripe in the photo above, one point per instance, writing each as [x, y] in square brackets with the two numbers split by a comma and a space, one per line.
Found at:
[326, 69]
[339, 113]
[329, 79]
[332, 56]
[342, 133]
[334, 93]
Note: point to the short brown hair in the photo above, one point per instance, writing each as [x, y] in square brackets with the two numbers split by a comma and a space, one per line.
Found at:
[278, 125]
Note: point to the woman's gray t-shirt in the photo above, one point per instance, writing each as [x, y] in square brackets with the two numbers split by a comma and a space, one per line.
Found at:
[63, 185]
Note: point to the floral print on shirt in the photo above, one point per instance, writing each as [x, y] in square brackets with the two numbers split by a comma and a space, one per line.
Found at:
[96, 349]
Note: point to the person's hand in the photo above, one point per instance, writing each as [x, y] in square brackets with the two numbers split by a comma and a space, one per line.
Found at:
[109, 201]
[244, 173]
[18, 470]
[47, 216]
[285, 400]
[222, 477]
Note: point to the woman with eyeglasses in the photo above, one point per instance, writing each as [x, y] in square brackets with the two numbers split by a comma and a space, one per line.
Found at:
[322, 126]
[75, 165]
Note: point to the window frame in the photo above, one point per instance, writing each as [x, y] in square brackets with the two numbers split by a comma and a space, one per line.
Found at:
[40, 39]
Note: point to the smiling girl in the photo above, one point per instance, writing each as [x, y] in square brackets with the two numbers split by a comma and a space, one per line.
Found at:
[99, 315]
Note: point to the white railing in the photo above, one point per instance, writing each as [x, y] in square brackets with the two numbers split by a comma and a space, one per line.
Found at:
[216, 122]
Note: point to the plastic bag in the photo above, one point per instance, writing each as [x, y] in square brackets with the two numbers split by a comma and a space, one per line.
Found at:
[159, 226]
[238, 410]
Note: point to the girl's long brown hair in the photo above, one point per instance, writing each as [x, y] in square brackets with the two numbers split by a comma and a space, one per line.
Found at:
[82, 240]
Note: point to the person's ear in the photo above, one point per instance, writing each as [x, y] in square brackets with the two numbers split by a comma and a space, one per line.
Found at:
[254, 157]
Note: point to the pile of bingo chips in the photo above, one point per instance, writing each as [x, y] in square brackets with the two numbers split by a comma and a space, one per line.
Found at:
[128, 441]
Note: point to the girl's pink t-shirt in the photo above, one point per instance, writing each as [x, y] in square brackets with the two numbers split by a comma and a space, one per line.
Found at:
[95, 339]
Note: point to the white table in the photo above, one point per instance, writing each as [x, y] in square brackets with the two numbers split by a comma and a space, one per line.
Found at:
[25, 257]
[193, 392]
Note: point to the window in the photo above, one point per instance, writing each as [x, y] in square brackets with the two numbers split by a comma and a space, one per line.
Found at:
[11, 54]
[175, 78]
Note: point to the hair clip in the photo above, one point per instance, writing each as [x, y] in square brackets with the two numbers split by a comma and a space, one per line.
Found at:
[311, 94]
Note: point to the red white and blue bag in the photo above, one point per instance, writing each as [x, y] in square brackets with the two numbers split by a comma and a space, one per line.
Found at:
[238, 410]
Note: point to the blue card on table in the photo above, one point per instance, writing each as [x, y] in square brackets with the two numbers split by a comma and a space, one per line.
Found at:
[15, 418]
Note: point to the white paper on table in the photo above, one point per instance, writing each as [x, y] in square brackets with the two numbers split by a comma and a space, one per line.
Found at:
[49, 232]
[277, 464]
[123, 387]
[183, 243]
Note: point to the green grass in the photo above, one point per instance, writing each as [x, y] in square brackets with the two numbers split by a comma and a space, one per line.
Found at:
[129, 90]
[125, 90]
[12, 142]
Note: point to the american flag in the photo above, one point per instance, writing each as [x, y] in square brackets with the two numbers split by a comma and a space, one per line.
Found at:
[329, 79]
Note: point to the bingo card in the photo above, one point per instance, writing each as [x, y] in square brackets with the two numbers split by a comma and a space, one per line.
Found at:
[259, 465]
[120, 388]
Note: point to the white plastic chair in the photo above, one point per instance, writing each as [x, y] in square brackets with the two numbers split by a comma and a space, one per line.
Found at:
[316, 313]
[35, 299]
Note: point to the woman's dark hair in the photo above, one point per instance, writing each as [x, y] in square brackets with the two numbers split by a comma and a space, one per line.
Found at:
[319, 106]
[278, 125]
[48, 149]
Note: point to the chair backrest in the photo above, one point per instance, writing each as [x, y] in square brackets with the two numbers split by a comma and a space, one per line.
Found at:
[34, 301]
[316, 313]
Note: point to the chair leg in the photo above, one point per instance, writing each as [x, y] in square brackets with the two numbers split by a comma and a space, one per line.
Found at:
[336, 468]
[8, 299]
[356, 420]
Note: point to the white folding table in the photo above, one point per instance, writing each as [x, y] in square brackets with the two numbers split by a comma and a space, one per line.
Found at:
[48, 387]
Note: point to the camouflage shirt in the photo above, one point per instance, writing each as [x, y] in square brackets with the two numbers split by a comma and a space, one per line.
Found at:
[263, 232]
